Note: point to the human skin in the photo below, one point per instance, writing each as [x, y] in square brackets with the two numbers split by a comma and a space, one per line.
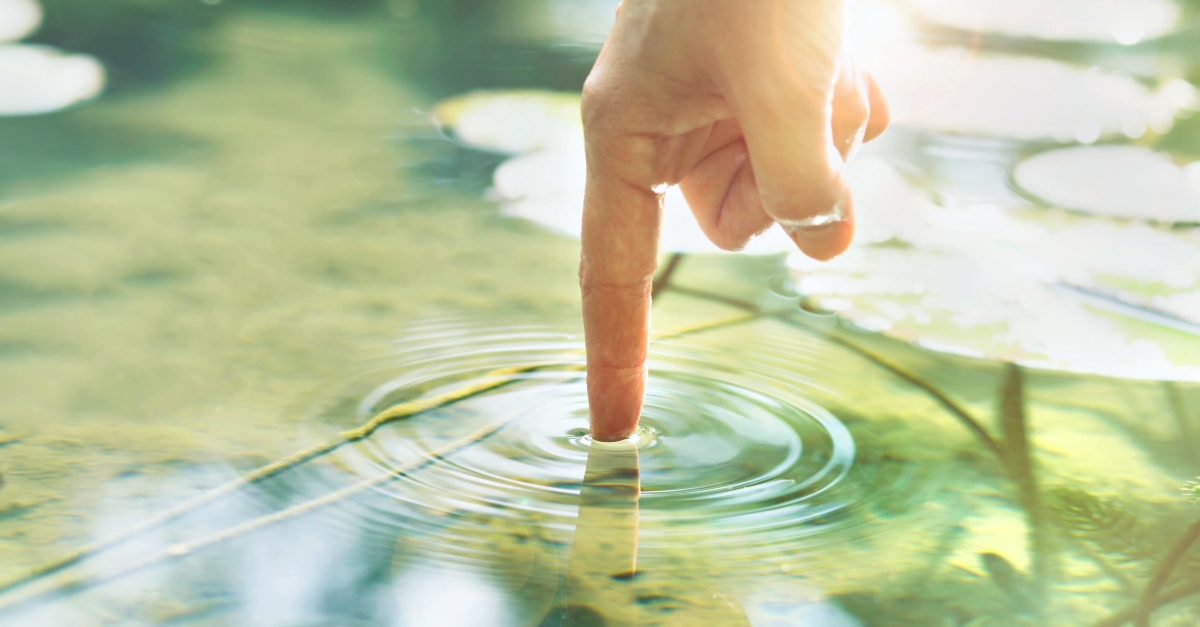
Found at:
[751, 107]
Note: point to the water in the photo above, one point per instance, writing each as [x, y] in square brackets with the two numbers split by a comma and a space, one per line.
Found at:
[257, 239]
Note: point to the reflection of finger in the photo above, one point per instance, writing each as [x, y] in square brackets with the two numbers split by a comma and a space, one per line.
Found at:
[599, 581]
[879, 109]
[851, 108]
[722, 194]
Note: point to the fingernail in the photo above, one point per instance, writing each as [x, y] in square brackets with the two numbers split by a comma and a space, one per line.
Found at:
[823, 236]
[816, 222]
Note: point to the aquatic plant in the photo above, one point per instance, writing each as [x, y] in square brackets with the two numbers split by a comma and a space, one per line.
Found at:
[1191, 490]
[1104, 524]
[491, 381]
[1062, 292]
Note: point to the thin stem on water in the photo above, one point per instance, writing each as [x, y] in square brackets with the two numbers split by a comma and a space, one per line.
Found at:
[1187, 433]
[182, 549]
[1018, 459]
[1168, 596]
[1162, 573]
[954, 409]
[492, 381]
[663, 280]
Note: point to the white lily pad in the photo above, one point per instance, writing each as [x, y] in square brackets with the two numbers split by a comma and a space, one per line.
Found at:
[1088, 295]
[513, 121]
[39, 79]
[1118, 181]
[1123, 21]
[543, 182]
[957, 90]
[18, 18]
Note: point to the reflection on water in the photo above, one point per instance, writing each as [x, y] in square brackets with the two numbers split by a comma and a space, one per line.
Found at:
[218, 263]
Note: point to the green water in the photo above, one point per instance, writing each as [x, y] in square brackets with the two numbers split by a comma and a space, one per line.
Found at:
[258, 225]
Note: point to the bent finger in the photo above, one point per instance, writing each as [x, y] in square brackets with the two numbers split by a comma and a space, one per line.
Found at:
[723, 195]
[850, 108]
[880, 116]
[798, 170]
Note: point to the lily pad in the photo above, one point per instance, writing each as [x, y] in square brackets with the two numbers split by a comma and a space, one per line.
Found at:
[1117, 181]
[958, 90]
[18, 18]
[1123, 21]
[39, 79]
[544, 180]
[1049, 290]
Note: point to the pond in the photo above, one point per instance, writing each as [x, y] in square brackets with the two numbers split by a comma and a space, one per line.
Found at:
[290, 337]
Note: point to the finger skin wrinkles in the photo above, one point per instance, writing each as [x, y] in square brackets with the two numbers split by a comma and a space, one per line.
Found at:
[737, 102]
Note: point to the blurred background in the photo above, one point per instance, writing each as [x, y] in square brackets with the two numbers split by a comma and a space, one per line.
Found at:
[231, 230]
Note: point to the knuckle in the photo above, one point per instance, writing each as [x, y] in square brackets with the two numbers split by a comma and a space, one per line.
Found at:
[596, 100]
[592, 286]
[593, 281]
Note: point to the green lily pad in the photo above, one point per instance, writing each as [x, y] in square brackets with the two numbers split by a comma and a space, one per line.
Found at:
[1044, 289]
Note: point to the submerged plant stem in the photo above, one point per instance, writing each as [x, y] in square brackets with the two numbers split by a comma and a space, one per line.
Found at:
[183, 549]
[663, 280]
[1187, 434]
[954, 409]
[1168, 596]
[1162, 573]
[1018, 460]
[492, 381]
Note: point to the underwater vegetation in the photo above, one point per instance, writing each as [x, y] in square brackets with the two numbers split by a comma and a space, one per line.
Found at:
[211, 412]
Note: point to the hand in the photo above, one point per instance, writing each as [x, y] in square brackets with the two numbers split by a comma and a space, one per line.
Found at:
[751, 107]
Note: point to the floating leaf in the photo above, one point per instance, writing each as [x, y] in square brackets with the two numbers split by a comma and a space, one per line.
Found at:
[1124, 21]
[1117, 181]
[18, 18]
[959, 90]
[40, 79]
[544, 181]
[1038, 288]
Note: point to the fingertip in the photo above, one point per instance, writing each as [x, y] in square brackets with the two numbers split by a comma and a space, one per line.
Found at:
[824, 242]
[824, 237]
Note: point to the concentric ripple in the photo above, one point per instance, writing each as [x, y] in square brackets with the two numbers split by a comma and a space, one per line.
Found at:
[731, 443]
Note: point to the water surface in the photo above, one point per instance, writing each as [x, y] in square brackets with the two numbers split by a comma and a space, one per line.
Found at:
[258, 237]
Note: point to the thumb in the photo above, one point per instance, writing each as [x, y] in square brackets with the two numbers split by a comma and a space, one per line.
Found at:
[784, 108]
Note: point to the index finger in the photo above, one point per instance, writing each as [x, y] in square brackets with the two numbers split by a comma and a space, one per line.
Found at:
[620, 253]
